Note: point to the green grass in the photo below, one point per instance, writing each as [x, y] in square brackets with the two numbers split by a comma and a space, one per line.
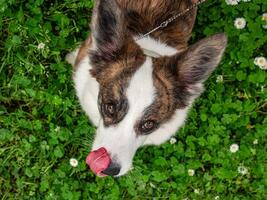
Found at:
[42, 125]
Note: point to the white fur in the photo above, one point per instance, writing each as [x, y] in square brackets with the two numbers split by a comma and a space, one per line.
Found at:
[87, 89]
[155, 48]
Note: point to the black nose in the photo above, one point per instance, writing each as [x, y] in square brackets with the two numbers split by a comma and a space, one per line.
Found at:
[113, 169]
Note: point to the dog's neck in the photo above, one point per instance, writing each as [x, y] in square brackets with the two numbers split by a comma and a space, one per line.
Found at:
[154, 48]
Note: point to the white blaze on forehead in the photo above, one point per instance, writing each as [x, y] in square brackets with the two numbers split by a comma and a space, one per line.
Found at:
[141, 90]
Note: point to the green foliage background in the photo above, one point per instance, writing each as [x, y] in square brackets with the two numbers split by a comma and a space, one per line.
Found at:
[42, 125]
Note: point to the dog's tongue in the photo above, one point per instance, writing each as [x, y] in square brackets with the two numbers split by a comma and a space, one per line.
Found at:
[98, 161]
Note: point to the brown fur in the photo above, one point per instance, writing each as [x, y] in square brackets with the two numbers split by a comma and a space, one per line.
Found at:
[128, 59]
[83, 51]
[143, 16]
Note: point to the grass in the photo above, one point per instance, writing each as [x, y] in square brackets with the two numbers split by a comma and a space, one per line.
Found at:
[42, 125]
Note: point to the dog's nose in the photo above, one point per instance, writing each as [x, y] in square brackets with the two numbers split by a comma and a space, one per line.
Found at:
[113, 169]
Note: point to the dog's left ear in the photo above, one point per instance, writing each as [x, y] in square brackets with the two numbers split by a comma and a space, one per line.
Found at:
[199, 61]
[107, 30]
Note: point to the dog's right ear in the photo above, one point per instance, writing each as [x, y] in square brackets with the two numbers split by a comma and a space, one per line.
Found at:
[107, 30]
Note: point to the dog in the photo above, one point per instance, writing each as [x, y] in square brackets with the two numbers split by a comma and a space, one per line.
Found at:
[138, 91]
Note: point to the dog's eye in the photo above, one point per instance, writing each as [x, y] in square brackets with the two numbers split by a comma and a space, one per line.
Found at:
[109, 109]
[148, 126]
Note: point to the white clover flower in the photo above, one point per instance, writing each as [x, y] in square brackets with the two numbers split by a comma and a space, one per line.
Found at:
[57, 129]
[264, 18]
[234, 148]
[246, 0]
[261, 62]
[232, 2]
[173, 140]
[219, 79]
[242, 170]
[41, 46]
[262, 88]
[217, 197]
[197, 191]
[256, 141]
[240, 23]
[152, 185]
[191, 172]
[73, 162]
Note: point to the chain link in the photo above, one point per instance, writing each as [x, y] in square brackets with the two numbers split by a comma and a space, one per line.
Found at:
[168, 21]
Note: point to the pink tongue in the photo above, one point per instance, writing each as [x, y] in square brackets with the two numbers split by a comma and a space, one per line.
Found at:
[98, 161]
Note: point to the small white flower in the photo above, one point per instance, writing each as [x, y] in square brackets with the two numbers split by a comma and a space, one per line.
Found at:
[197, 191]
[191, 172]
[242, 170]
[262, 88]
[246, 0]
[232, 2]
[217, 198]
[41, 46]
[57, 129]
[173, 140]
[234, 148]
[73, 162]
[255, 141]
[219, 79]
[264, 17]
[152, 185]
[240, 23]
[261, 62]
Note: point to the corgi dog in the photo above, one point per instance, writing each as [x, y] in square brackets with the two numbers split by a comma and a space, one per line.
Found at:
[138, 91]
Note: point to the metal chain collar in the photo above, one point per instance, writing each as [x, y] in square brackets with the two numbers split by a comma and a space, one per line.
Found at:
[168, 21]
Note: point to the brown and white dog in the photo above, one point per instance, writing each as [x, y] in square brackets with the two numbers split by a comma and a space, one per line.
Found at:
[138, 92]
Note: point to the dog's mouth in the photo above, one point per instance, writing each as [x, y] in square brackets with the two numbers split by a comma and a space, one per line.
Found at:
[101, 164]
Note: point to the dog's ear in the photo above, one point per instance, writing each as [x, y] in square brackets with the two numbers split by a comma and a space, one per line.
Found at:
[198, 61]
[107, 30]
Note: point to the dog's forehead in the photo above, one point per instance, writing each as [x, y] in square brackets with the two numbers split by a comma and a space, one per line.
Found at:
[126, 61]
[141, 91]
[147, 92]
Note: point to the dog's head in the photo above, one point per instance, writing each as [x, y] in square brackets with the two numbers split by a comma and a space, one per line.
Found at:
[141, 100]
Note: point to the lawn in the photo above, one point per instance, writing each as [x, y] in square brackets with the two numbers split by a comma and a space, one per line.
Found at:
[220, 153]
